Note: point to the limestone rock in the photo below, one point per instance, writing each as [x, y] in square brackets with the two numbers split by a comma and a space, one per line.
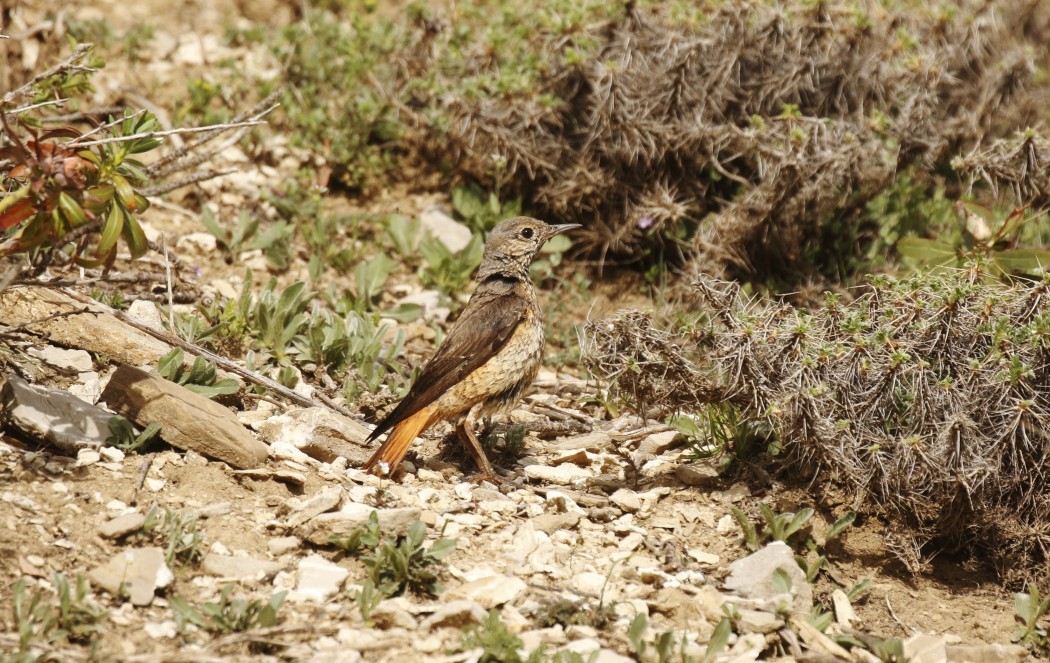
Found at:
[302, 510]
[752, 576]
[453, 234]
[97, 330]
[560, 474]
[319, 579]
[70, 359]
[238, 567]
[553, 522]
[341, 523]
[627, 500]
[455, 614]
[319, 433]
[121, 525]
[703, 474]
[997, 653]
[188, 420]
[54, 416]
[490, 591]
[138, 572]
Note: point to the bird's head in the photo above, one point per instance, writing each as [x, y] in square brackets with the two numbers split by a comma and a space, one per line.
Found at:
[513, 244]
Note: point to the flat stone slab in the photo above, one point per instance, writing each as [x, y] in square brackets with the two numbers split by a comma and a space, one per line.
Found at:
[319, 433]
[188, 420]
[238, 566]
[54, 416]
[96, 330]
[393, 522]
[489, 592]
[136, 573]
[121, 525]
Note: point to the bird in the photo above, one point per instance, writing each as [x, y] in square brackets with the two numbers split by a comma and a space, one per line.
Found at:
[489, 357]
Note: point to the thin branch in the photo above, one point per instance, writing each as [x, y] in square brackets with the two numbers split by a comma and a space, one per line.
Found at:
[196, 350]
[82, 115]
[201, 176]
[158, 134]
[65, 65]
[42, 104]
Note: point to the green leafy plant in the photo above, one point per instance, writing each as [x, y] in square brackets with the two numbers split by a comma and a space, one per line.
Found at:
[497, 643]
[41, 618]
[178, 532]
[722, 430]
[482, 211]
[1029, 609]
[370, 277]
[446, 270]
[229, 615]
[124, 436]
[397, 566]
[245, 236]
[777, 527]
[367, 599]
[64, 190]
[567, 613]
[666, 646]
[200, 378]
[403, 235]
[361, 538]
[278, 318]
[982, 235]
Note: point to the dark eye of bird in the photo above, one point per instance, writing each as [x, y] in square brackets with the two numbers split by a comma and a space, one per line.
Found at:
[526, 233]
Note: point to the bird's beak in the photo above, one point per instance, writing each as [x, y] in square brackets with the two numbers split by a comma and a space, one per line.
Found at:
[553, 230]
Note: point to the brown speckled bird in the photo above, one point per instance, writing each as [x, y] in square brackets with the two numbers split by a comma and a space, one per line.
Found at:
[488, 358]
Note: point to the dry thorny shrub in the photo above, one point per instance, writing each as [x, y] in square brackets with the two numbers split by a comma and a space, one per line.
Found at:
[775, 121]
[925, 398]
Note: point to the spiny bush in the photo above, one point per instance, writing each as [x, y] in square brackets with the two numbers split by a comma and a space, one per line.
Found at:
[926, 398]
[751, 133]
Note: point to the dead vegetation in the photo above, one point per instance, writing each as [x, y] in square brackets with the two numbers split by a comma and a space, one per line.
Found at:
[746, 139]
[925, 398]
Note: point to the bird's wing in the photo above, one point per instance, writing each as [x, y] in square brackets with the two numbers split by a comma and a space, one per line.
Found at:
[485, 326]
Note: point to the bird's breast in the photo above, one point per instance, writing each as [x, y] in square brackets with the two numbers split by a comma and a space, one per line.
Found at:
[498, 383]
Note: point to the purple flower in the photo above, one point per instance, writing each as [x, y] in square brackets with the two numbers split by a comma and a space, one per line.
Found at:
[646, 222]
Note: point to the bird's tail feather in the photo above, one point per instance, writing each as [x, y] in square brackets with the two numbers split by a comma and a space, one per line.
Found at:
[397, 442]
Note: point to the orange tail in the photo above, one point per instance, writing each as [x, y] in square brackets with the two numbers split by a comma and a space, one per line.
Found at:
[397, 442]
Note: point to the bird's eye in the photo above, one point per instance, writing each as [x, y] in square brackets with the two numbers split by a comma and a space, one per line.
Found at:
[526, 233]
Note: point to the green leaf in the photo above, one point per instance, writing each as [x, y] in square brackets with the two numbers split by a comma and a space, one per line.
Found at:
[1022, 260]
[798, 522]
[12, 198]
[557, 244]
[220, 388]
[403, 312]
[719, 639]
[926, 250]
[110, 231]
[441, 549]
[750, 533]
[781, 581]
[637, 631]
[71, 209]
[125, 192]
[841, 524]
[169, 364]
[133, 235]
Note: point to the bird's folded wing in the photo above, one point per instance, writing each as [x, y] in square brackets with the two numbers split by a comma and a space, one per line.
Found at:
[487, 323]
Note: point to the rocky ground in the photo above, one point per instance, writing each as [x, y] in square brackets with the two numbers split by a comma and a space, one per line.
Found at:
[599, 519]
[588, 531]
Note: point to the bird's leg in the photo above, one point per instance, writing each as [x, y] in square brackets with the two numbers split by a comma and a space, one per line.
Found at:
[465, 430]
